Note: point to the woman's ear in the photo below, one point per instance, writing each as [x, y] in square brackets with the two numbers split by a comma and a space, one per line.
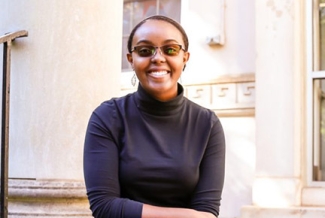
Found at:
[186, 57]
[130, 58]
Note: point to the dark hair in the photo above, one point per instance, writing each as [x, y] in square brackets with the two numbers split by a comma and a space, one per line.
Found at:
[163, 18]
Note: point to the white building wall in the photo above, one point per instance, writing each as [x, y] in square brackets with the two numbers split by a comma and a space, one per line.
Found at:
[237, 54]
[235, 57]
[68, 65]
[240, 165]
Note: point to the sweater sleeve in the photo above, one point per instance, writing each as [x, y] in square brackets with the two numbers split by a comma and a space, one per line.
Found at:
[101, 167]
[208, 192]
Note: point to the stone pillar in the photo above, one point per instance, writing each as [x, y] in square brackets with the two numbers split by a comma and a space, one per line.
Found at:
[277, 174]
[277, 181]
[68, 65]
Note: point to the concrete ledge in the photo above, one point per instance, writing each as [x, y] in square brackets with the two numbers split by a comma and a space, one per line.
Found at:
[292, 212]
[47, 198]
[313, 196]
[46, 189]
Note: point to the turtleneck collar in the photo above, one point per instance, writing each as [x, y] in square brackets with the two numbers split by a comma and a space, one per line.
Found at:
[147, 103]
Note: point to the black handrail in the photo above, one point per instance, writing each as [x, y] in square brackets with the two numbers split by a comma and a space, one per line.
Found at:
[7, 40]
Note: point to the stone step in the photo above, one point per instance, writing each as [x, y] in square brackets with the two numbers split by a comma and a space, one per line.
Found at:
[291, 212]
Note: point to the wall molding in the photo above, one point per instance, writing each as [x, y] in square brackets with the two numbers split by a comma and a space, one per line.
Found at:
[226, 78]
[47, 198]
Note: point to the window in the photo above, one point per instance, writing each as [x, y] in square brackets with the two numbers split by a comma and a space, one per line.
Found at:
[135, 11]
[316, 79]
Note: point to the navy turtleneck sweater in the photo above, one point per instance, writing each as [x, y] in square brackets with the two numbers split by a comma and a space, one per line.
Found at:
[140, 150]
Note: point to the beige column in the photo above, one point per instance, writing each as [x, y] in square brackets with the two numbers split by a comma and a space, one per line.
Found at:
[277, 171]
[277, 181]
[69, 63]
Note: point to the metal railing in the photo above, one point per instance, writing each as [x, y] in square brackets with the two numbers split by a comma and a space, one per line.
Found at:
[6, 40]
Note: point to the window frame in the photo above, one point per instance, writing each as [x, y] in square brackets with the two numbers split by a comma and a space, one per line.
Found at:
[313, 73]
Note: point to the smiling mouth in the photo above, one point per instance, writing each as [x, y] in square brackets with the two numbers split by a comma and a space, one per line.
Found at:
[158, 74]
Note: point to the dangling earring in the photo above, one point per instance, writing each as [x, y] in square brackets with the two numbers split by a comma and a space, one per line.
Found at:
[134, 80]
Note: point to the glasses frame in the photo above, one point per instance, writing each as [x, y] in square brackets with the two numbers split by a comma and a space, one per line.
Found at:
[156, 49]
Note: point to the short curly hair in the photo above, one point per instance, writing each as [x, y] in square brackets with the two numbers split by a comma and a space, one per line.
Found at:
[163, 18]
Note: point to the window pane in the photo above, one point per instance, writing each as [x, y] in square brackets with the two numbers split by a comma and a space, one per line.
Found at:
[322, 34]
[319, 130]
[170, 8]
[127, 10]
[143, 9]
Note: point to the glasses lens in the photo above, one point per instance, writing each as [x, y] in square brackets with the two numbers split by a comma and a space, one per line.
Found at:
[148, 50]
[171, 50]
[145, 51]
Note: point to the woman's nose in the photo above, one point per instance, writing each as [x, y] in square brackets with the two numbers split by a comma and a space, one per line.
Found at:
[158, 55]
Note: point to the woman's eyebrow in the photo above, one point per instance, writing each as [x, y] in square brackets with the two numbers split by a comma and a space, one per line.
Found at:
[145, 41]
[170, 40]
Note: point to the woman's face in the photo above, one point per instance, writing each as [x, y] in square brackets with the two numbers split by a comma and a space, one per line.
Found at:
[158, 74]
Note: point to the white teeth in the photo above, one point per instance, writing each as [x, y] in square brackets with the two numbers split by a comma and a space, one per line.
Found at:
[159, 73]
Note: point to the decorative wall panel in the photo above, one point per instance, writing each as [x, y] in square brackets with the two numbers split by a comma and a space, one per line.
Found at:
[229, 95]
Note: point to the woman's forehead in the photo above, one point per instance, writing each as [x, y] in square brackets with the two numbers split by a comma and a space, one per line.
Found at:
[157, 30]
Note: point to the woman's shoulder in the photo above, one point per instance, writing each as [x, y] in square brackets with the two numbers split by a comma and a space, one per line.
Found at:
[107, 115]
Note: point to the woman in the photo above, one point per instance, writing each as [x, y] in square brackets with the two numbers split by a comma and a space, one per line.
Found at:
[154, 153]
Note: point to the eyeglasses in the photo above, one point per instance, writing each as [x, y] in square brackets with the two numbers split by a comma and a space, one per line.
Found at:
[149, 50]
